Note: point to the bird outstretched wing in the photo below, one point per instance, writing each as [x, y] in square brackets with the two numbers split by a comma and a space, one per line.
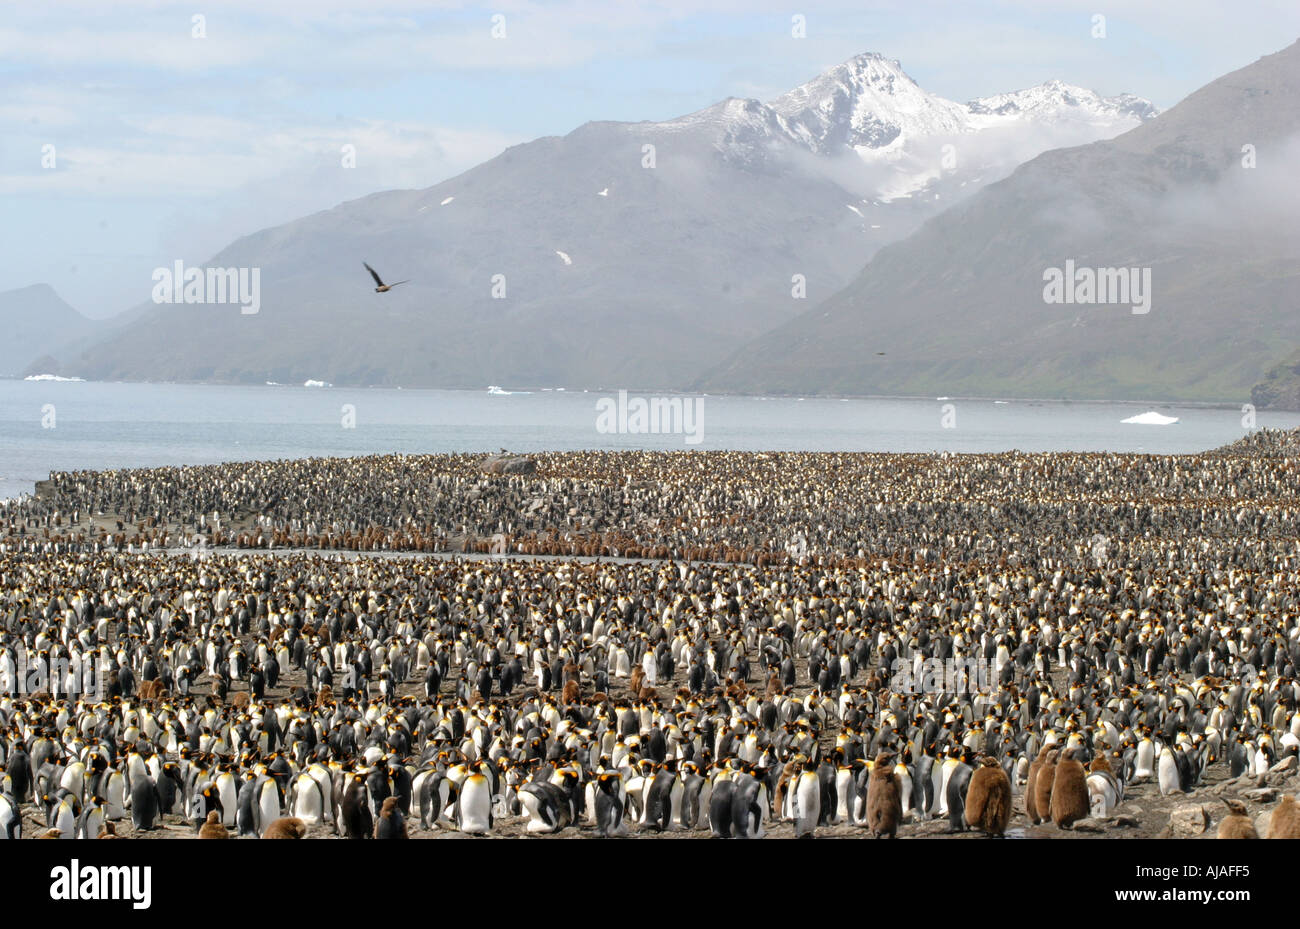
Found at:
[374, 274]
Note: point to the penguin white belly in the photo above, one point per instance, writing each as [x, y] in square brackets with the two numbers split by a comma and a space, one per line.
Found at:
[115, 796]
[1103, 795]
[1167, 774]
[91, 823]
[73, 779]
[905, 782]
[228, 793]
[307, 800]
[11, 824]
[843, 795]
[476, 805]
[1144, 763]
[65, 821]
[943, 789]
[268, 804]
[417, 791]
[675, 806]
[540, 816]
[859, 805]
[589, 800]
[808, 804]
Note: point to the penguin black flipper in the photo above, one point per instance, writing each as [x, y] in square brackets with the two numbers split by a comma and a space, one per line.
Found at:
[720, 809]
[958, 784]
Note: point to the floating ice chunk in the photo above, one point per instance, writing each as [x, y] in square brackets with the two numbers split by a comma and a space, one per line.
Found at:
[1151, 418]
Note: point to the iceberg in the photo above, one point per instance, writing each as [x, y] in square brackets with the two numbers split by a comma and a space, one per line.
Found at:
[1150, 419]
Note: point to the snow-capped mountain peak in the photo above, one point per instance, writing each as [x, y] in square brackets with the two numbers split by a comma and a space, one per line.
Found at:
[1055, 100]
[868, 101]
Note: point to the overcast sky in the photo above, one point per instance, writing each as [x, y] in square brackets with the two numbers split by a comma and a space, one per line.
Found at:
[168, 145]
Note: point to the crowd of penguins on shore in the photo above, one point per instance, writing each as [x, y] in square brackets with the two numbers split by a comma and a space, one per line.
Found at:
[735, 507]
[930, 638]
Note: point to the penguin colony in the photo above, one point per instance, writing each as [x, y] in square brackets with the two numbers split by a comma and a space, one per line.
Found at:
[1135, 620]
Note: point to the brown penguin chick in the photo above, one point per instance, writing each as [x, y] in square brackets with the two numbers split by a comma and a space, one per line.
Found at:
[390, 823]
[636, 679]
[1040, 792]
[1099, 763]
[773, 685]
[988, 798]
[1285, 823]
[108, 831]
[213, 829]
[288, 827]
[884, 798]
[783, 782]
[51, 834]
[1236, 825]
[571, 693]
[1069, 800]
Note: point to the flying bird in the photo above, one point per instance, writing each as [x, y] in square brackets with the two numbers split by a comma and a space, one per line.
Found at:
[381, 286]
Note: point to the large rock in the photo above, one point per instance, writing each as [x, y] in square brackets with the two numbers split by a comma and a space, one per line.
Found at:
[1261, 795]
[1188, 821]
[1287, 765]
[509, 464]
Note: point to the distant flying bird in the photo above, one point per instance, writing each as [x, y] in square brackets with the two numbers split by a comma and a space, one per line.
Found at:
[880, 353]
[603, 193]
[382, 287]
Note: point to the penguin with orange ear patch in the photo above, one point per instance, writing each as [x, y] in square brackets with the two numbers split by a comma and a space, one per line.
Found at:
[1285, 823]
[391, 824]
[1069, 801]
[354, 812]
[609, 804]
[1236, 825]
[884, 798]
[988, 799]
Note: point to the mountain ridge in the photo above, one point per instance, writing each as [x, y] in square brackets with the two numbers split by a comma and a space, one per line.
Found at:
[587, 259]
[958, 307]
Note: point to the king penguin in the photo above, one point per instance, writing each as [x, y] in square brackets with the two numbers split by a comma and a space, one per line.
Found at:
[144, 802]
[748, 800]
[807, 797]
[474, 807]
[609, 805]
[1167, 772]
[354, 812]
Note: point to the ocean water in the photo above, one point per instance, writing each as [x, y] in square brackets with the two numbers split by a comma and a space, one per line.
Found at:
[67, 425]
